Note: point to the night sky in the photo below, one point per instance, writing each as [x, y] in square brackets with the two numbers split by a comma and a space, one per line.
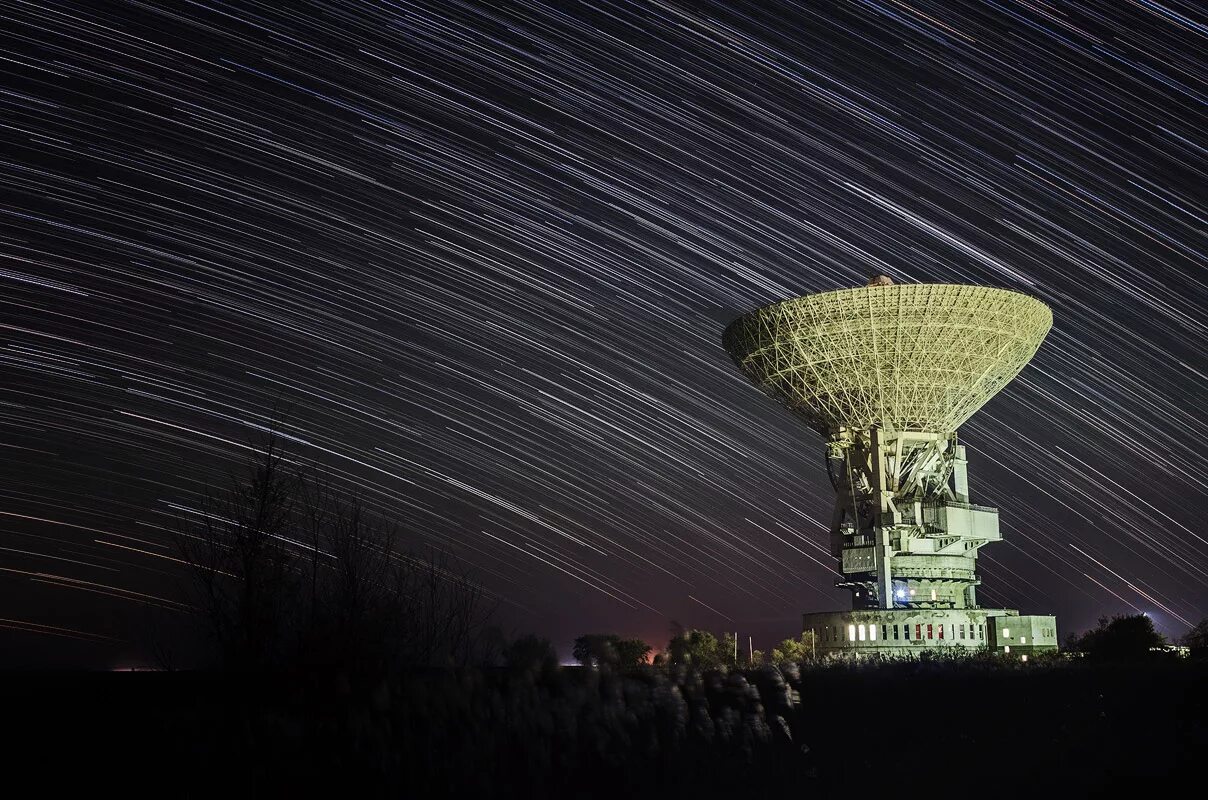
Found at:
[485, 255]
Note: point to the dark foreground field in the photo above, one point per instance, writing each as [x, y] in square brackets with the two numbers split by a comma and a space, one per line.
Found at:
[932, 730]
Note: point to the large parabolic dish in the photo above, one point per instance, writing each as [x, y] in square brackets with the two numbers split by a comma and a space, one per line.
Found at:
[910, 356]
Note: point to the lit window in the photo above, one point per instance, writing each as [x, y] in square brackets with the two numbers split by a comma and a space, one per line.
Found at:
[933, 594]
[1023, 640]
[1006, 648]
[862, 632]
[1023, 658]
[851, 633]
[962, 631]
[918, 630]
[930, 632]
[981, 632]
[941, 631]
[1006, 633]
[872, 632]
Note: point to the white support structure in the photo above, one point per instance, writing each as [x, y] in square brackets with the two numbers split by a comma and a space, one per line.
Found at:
[905, 532]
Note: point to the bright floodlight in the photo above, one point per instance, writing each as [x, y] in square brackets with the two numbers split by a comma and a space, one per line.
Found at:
[887, 373]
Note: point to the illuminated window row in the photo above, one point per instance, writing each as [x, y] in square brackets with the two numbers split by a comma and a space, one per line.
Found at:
[860, 632]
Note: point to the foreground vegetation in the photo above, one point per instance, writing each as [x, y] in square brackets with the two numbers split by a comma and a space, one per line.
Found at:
[531, 730]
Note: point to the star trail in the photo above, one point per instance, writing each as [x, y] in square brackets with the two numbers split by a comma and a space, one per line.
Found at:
[483, 255]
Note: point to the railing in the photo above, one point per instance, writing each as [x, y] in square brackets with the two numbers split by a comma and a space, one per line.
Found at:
[955, 504]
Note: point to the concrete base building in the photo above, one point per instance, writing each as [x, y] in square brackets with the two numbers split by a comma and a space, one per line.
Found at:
[887, 373]
[850, 634]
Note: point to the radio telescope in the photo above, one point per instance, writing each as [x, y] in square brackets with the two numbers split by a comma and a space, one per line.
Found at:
[886, 373]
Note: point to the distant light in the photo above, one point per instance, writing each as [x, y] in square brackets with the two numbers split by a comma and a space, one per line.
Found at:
[912, 592]
[1006, 633]
[1006, 648]
[1023, 658]
[901, 593]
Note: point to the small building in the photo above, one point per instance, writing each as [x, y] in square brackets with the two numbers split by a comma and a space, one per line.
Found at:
[1024, 635]
[909, 632]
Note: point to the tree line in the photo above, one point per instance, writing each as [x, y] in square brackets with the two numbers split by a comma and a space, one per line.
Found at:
[287, 570]
[692, 647]
[1119, 638]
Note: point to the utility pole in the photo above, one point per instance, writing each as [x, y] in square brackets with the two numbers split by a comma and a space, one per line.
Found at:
[751, 650]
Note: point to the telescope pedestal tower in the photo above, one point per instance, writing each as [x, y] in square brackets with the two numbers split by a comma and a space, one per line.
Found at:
[887, 373]
[903, 527]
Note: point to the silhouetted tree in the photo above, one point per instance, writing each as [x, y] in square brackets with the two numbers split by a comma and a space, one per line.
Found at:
[632, 652]
[316, 498]
[237, 553]
[794, 651]
[696, 648]
[441, 612]
[287, 570]
[727, 649]
[354, 593]
[1197, 640]
[1120, 638]
[597, 649]
[530, 654]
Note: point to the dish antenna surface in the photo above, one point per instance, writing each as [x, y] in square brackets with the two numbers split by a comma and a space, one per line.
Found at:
[908, 356]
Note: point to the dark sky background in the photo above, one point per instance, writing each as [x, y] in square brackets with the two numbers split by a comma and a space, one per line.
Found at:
[486, 253]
